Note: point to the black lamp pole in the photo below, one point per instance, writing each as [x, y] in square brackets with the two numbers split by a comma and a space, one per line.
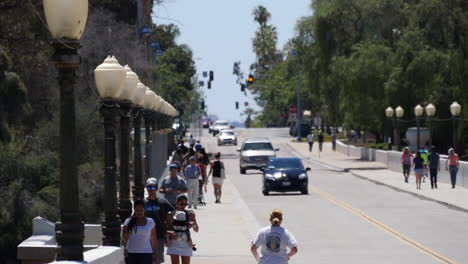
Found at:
[147, 116]
[417, 134]
[138, 191]
[430, 131]
[125, 206]
[399, 134]
[111, 222]
[454, 137]
[69, 229]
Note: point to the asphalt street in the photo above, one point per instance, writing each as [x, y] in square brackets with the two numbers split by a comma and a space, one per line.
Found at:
[345, 219]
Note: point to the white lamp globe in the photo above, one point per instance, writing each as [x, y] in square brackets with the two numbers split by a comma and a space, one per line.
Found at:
[66, 19]
[110, 78]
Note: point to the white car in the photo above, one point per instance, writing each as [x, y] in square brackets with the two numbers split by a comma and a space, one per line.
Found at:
[227, 136]
[218, 126]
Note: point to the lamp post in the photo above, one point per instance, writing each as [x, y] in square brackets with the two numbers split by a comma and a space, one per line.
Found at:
[137, 101]
[418, 111]
[389, 113]
[399, 114]
[148, 113]
[455, 110]
[110, 80]
[66, 20]
[131, 81]
[430, 112]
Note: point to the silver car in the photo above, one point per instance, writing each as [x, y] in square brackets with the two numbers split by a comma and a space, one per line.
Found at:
[227, 137]
[254, 154]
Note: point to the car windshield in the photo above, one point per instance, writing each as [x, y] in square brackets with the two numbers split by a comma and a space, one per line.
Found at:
[222, 124]
[258, 146]
[228, 133]
[285, 164]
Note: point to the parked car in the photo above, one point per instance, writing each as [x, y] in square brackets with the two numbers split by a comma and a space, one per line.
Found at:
[218, 126]
[227, 136]
[284, 175]
[254, 154]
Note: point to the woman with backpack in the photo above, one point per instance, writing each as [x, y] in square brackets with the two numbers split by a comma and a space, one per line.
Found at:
[217, 169]
[139, 237]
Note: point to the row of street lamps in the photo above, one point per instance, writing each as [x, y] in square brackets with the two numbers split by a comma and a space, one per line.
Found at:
[121, 92]
[455, 110]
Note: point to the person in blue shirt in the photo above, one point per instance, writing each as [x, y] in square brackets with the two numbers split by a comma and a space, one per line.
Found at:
[192, 173]
[434, 166]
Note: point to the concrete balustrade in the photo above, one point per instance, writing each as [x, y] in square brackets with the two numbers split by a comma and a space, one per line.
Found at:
[393, 161]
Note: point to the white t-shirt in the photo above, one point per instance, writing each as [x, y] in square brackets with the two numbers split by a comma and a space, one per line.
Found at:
[139, 241]
[274, 240]
[310, 138]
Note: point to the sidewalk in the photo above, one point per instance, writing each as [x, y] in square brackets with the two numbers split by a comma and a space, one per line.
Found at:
[378, 173]
[226, 230]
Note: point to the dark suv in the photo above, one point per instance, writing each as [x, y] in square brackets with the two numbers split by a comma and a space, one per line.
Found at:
[284, 175]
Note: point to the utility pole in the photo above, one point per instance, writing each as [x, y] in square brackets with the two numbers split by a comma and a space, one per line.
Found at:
[298, 91]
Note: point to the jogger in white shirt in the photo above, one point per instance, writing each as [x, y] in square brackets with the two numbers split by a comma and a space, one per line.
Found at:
[274, 241]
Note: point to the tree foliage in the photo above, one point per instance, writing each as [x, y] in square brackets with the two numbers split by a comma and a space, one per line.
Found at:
[360, 56]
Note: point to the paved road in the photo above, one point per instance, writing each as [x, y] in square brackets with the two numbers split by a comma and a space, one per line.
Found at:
[348, 220]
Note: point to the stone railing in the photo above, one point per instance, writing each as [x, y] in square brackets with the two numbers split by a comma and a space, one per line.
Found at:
[393, 161]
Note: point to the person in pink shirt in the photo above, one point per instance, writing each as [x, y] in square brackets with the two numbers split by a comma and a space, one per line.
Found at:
[452, 164]
[406, 158]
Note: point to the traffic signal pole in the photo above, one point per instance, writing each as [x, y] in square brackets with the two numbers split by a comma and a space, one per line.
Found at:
[298, 91]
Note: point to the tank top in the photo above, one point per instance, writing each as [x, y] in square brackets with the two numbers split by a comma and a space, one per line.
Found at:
[217, 169]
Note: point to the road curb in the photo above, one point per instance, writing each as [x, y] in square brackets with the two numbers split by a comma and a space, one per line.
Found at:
[317, 162]
[421, 196]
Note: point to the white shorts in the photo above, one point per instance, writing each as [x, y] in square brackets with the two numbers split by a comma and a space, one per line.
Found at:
[218, 180]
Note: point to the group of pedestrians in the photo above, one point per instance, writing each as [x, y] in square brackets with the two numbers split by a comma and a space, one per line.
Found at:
[424, 163]
[320, 138]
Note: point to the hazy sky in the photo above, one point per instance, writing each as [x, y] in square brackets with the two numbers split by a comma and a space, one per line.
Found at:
[220, 32]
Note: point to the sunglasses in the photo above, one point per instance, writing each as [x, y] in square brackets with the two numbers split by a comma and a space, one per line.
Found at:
[151, 187]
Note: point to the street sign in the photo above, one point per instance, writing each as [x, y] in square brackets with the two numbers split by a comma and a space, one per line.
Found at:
[292, 109]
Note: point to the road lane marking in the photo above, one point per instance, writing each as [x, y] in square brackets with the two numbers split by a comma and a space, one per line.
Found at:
[403, 238]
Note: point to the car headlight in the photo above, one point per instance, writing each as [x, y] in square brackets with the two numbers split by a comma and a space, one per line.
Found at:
[302, 176]
[269, 176]
[278, 175]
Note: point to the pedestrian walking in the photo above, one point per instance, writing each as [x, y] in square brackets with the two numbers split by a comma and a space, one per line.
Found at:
[178, 156]
[310, 139]
[406, 158]
[452, 164]
[424, 155]
[333, 141]
[418, 165]
[434, 166]
[202, 178]
[274, 241]
[139, 237]
[192, 173]
[157, 209]
[198, 146]
[217, 170]
[191, 141]
[178, 223]
[320, 141]
[173, 185]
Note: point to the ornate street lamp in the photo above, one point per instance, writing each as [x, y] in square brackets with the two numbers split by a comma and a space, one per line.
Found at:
[125, 103]
[430, 112]
[137, 101]
[455, 110]
[399, 114]
[66, 20]
[110, 81]
[389, 113]
[418, 111]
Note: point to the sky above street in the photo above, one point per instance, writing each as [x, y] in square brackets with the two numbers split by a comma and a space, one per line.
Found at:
[220, 32]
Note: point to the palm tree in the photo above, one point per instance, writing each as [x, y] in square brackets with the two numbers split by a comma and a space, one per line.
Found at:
[262, 48]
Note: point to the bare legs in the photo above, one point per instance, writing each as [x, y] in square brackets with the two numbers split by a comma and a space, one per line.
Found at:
[418, 179]
[175, 259]
[217, 192]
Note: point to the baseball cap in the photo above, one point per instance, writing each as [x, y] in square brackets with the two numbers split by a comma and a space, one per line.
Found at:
[151, 181]
[173, 166]
[192, 158]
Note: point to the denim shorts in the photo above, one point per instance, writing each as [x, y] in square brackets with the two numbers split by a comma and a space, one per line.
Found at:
[419, 171]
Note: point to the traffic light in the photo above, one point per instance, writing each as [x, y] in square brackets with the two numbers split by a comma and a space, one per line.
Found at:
[242, 87]
[211, 76]
[209, 84]
[250, 80]
[237, 105]
[203, 105]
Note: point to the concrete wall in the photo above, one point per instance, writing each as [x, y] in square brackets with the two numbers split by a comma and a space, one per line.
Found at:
[393, 161]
